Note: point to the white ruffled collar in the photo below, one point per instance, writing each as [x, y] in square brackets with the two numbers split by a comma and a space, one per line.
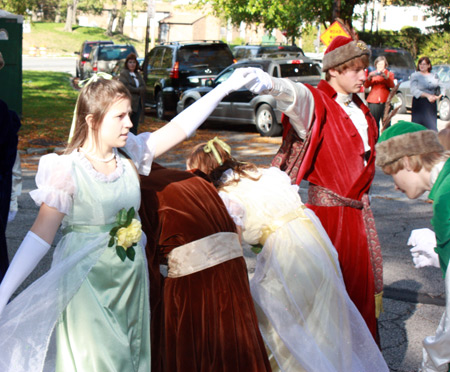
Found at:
[96, 174]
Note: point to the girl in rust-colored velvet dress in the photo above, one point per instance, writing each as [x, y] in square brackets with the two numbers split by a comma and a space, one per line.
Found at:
[210, 321]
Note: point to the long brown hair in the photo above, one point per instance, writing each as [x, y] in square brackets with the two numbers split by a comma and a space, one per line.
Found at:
[95, 99]
[209, 164]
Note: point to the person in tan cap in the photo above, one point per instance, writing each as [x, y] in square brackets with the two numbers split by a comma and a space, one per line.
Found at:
[415, 158]
[329, 140]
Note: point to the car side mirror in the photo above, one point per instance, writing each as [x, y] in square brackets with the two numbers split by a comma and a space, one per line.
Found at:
[209, 83]
[77, 53]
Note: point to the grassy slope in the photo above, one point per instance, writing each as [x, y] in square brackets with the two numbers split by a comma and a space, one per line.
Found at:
[48, 103]
[58, 42]
[49, 97]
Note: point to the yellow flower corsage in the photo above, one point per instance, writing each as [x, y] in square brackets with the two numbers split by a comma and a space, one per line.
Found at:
[126, 234]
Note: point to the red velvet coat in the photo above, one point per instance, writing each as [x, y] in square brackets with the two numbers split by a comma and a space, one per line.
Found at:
[334, 160]
[209, 317]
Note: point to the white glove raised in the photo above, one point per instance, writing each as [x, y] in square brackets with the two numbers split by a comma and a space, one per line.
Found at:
[194, 115]
[262, 82]
[424, 243]
[30, 252]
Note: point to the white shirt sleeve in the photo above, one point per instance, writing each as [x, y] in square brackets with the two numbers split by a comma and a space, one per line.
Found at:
[141, 149]
[296, 101]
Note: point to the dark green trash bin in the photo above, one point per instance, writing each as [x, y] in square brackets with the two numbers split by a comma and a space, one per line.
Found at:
[11, 49]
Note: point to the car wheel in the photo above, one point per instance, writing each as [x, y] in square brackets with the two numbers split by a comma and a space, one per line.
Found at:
[401, 102]
[188, 103]
[444, 109]
[266, 122]
[160, 110]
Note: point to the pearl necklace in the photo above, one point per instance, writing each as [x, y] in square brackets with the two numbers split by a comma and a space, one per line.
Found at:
[93, 157]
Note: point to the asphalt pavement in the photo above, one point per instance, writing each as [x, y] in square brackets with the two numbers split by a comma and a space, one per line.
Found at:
[413, 298]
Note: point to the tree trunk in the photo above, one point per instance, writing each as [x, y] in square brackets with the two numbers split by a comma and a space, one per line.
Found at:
[68, 26]
[58, 13]
[336, 10]
[74, 13]
[112, 17]
[122, 14]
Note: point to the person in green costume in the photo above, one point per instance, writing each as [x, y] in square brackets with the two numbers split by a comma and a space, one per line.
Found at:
[418, 162]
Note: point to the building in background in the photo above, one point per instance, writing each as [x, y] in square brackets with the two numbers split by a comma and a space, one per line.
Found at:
[393, 18]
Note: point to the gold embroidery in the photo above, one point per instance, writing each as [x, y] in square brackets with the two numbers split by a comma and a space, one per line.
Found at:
[361, 46]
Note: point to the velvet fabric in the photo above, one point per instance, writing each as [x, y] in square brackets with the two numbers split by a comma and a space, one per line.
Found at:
[335, 160]
[209, 321]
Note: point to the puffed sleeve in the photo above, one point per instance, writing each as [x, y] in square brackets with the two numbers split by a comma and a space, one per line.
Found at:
[141, 149]
[55, 182]
[235, 208]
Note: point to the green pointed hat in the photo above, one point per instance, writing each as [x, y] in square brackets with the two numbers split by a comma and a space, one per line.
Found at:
[405, 138]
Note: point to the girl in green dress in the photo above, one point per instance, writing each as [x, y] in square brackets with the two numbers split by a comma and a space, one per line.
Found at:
[90, 311]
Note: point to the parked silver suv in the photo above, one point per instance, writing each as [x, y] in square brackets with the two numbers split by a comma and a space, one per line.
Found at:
[244, 107]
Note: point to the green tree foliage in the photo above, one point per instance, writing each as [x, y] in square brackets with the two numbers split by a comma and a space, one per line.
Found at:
[17, 6]
[286, 15]
[437, 48]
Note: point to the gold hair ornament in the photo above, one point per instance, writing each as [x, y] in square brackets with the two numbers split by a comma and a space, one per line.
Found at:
[209, 147]
[81, 84]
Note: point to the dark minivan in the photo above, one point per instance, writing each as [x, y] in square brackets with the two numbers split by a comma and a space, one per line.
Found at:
[173, 67]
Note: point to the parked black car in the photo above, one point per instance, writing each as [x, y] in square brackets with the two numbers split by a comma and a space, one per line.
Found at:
[173, 67]
[400, 61]
[84, 52]
[107, 58]
[404, 97]
[250, 51]
[244, 107]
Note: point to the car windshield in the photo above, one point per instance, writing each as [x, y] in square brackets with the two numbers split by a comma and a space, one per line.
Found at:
[197, 57]
[443, 73]
[299, 69]
[396, 59]
[115, 53]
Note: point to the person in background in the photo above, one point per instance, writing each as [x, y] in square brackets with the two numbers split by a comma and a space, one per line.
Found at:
[426, 89]
[9, 124]
[203, 318]
[329, 140]
[134, 82]
[418, 162]
[381, 81]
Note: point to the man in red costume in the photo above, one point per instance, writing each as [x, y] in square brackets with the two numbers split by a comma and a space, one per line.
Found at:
[329, 140]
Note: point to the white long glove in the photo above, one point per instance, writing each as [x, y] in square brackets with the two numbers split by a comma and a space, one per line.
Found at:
[194, 115]
[262, 83]
[423, 253]
[30, 252]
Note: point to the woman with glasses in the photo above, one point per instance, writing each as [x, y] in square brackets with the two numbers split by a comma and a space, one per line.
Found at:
[427, 90]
